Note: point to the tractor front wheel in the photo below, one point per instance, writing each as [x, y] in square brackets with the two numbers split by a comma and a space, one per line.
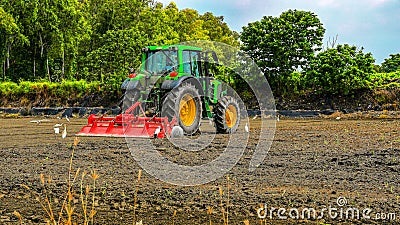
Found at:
[184, 103]
[227, 115]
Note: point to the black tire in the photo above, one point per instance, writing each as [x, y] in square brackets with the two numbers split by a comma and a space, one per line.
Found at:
[223, 123]
[129, 98]
[172, 107]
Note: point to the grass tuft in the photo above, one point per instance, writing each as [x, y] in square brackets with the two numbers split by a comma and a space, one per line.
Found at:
[67, 214]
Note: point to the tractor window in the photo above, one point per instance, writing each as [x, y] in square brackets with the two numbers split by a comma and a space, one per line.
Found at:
[186, 62]
[190, 62]
[159, 62]
[195, 63]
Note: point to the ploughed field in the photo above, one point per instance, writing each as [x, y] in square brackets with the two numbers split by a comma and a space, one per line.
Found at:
[312, 163]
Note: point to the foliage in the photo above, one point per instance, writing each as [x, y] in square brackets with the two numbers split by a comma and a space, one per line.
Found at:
[71, 49]
[341, 70]
[294, 84]
[384, 80]
[281, 45]
[61, 93]
[9, 34]
[94, 39]
[391, 64]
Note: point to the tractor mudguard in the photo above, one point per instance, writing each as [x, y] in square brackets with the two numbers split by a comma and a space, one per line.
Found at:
[170, 84]
[129, 84]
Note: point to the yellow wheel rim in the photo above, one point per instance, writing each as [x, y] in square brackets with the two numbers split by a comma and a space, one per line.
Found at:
[230, 116]
[187, 110]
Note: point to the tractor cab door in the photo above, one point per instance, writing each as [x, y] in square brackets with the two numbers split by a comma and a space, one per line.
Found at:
[210, 86]
[207, 58]
[191, 62]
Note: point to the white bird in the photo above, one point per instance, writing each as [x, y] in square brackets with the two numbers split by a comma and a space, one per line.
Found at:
[66, 117]
[39, 121]
[64, 133]
[35, 121]
[277, 118]
[338, 118]
[246, 128]
[56, 130]
[255, 117]
[58, 117]
[210, 121]
[157, 131]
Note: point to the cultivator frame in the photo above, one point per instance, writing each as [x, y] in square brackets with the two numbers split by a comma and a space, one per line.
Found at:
[128, 124]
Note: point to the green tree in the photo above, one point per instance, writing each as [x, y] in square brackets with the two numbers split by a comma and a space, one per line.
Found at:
[11, 36]
[341, 70]
[93, 39]
[281, 45]
[115, 46]
[52, 32]
[218, 30]
[8, 29]
[391, 64]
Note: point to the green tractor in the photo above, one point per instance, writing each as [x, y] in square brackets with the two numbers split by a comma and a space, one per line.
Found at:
[184, 88]
[173, 87]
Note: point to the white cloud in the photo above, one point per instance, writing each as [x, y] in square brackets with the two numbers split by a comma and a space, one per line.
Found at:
[243, 3]
[378, 2]
[329, 3]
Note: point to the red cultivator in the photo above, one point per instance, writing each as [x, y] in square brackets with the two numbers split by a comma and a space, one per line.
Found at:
[128, 125]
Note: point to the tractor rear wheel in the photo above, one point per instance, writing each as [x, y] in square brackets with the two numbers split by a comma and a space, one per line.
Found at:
[227, 115]
[184, 103]
[129, 98]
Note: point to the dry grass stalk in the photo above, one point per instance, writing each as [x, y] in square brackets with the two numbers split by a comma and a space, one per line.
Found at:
[135, 196]
[67, 209]
[209, 212]
[173, 217]
[227, 200]
[94, 176]
[225, 212]
[17, 214]
[221, 193]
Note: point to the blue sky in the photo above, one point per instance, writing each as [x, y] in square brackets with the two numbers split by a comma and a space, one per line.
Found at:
[372, 24]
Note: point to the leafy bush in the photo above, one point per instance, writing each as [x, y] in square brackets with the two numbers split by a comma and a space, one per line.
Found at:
[341, 70]
[384, 80]
[391, 64]
[54, 94]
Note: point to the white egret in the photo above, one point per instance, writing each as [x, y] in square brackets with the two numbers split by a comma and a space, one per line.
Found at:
[157, 131]
[64, 133]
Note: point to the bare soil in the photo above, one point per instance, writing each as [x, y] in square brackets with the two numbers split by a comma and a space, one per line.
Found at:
[312, 162]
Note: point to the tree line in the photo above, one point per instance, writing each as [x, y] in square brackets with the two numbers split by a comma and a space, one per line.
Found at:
[93, 39]
[98, 40]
